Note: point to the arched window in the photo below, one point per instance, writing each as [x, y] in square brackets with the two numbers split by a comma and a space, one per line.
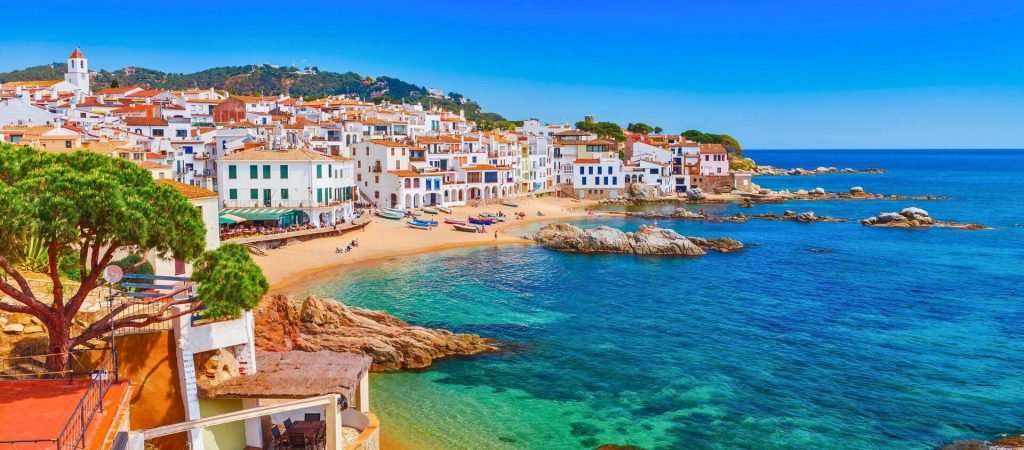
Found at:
[407, 183]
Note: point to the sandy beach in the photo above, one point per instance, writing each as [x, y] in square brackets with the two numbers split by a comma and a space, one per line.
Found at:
[292, 267]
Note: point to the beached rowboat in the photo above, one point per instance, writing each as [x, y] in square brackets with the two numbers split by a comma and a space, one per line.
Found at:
[391, 215]
[467, 228]
[444, 209]
[510, 204]
[429, 211]
[427, 222]
[417, 225]
[481, 221]
[452, 221]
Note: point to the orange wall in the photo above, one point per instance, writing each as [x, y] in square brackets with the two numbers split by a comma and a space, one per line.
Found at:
[149, 361]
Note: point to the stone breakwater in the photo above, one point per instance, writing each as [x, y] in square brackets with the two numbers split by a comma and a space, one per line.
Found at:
[685, 214]
[646, 241]
[317, 324]
[799, 171]
[915, 218]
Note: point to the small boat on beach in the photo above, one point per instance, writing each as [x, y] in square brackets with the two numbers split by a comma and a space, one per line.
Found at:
[391, 215]
[431, 211]
[467, 228]
[452, 221]
[430, 222]
[444, 209]
[417, 225]
[394, 210]
[494, 217]
[481, 221]
[511, 204]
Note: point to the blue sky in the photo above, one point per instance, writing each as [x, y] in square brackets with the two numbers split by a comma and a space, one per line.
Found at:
[774, 74]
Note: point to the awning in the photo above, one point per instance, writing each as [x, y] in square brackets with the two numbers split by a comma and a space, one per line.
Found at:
[260, 213]
[228, 219]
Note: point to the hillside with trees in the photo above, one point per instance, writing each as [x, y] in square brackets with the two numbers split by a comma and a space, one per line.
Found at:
[265, 79]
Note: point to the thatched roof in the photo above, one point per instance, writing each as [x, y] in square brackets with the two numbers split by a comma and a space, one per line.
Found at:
[296, 375]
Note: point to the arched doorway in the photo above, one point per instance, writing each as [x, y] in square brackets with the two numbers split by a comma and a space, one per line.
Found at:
[394, 200]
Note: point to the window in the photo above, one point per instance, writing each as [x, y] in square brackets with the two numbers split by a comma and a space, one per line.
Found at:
[67, 144]
[158, 132]
[266, 197]
[615, 180]
[330, 171]
[319, 171]
[232, 172]
[181, 133]
[284, 171]
[233, 193]
[253, 172]
[254, 194]
[606, 181]
[284, 194]
[609, 170]
[581, 170]
[583, 181]
[590, 170]
[319, 195]
[599, 170]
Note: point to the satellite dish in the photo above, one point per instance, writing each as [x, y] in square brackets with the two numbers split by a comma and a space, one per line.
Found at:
[113, 274]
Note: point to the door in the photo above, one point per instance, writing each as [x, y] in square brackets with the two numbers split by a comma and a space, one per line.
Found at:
[266, 198]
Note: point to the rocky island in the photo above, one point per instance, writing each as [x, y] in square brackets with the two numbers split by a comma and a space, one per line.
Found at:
[915, 218]
[316, 324]
[685, 214]
[646, 241]
[799, 171]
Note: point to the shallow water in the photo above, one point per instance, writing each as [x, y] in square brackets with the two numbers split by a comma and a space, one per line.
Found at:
[891, 339]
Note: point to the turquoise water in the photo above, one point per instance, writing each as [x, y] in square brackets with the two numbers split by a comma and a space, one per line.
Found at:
[895, 339]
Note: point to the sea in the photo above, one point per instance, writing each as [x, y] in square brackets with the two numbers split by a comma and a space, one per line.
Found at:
[816, 336]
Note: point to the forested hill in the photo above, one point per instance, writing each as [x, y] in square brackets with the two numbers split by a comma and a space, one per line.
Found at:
[266, 79]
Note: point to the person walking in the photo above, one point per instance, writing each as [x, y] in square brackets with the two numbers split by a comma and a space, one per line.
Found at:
[495, 234]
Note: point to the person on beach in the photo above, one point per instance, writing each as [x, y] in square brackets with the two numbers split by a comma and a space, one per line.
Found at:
[495, 234]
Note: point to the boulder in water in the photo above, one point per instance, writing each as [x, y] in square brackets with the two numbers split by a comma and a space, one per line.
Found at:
[646, 241]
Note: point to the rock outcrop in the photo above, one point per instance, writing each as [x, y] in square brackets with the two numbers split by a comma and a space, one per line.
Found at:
[323, 324]
[642, 192]
[646, 241]
[915, 218]
[685, 214]
[696, 195]
[799, 171]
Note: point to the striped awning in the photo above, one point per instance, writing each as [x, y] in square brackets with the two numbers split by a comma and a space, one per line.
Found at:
[259, 213]
[228, 219]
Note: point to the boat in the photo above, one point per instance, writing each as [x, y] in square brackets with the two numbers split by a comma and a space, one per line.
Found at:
[510, 204]
[454, 221]
[481, 221]
[391, 215]
[394, 210]
[467, 228]
[427, 222]
[429, 211]
[493, 217]
[444, 209]
[417, 225]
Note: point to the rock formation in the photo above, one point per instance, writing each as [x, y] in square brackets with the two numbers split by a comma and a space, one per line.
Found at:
[642, 192]
[685, 214]
[799, 171]
[915, 218]
[695, 195]
[646, 241]
[324, 324]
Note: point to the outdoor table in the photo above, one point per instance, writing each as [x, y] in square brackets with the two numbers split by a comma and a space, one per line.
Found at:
[308, 428]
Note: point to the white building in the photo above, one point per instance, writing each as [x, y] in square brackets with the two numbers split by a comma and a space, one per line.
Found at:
[320, 187]
[77, 74]
[598, 177]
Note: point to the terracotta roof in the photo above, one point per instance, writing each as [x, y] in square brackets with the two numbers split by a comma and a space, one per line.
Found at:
[77, 53]
[389, 143]
[409, 173]
[150, 165]
[713, 148]
[479, 167]
[145, 121]
[146, 93]
[297, 154]
[189, 191]
[588, 161]
[117, 90]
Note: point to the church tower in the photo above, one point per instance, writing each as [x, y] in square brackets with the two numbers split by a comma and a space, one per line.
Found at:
[78, 72]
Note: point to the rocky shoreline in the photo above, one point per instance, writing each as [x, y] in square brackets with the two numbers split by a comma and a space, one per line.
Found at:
[316, 324]
[799, 171]
[696, 196]
[915, 218]
[646, 241]
[685, 214]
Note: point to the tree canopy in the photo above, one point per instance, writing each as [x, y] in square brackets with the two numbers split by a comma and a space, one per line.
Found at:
[602, 129]
[85, 209]
[640, 127]
[729, 142]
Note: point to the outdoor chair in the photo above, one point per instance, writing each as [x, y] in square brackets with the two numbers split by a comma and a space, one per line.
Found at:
[279, 442]
[287, 423]
[298, 441]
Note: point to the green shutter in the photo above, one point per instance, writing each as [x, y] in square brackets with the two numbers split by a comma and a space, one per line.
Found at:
[284, 194]
[254, 172]
[319, 194]
[284, 171]
[330, 171]
[254, 193]
[319, 171]
[233, 193]
[232, 171]
[266, 172]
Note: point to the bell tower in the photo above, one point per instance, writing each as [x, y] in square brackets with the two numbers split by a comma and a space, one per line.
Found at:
[78, 72]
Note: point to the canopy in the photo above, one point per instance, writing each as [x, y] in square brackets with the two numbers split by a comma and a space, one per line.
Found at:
[259, 213]
[228, 219]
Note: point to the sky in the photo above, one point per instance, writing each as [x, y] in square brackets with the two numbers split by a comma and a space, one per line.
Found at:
[774, 74]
